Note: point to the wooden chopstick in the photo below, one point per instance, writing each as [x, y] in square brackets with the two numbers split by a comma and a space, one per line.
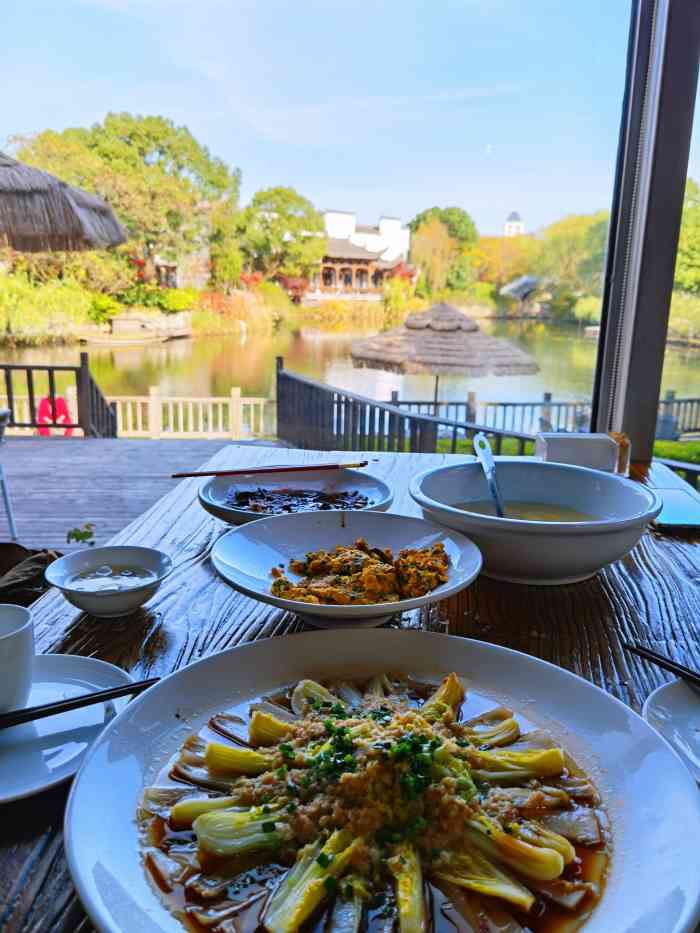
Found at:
[19, 716]
[274, 469]
[680, 670]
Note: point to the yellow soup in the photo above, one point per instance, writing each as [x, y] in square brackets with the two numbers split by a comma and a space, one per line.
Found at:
[528, 511]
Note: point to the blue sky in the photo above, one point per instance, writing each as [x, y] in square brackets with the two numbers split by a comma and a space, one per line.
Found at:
[385, 107]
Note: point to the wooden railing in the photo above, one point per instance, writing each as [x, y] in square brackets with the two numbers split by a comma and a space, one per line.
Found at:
[233, 417]
[25, 386]
[170, 417]
[313, 415]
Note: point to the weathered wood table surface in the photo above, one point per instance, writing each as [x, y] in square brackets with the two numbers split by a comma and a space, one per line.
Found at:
[653, 595]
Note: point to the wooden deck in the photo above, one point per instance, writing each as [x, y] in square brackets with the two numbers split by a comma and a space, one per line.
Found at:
[57, 484]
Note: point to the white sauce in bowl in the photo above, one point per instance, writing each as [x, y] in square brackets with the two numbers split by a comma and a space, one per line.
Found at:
[110, 578]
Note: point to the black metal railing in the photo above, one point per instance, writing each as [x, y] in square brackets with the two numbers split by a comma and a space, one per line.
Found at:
[677, 416]
[46, 405]
[519, 417]
[317, 416]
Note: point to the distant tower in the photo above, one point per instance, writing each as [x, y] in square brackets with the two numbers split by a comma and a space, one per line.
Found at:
[514, 225]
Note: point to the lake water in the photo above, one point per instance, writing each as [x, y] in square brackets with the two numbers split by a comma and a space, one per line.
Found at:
[211, 365]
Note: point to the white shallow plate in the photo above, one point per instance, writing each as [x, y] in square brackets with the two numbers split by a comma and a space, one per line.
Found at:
[38, 755]
[674, 710]
[246, 555]
[212, 494]
[653, 803]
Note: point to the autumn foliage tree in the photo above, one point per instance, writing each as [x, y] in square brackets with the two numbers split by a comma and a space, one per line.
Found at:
[500, 259]
[433, 250]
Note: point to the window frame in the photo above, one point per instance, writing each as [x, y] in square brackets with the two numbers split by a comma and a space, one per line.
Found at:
[652, 166]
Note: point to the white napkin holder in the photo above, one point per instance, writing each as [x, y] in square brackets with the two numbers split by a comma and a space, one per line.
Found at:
[597, 451]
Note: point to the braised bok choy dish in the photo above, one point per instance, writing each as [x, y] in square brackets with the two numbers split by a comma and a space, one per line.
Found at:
[382, 806]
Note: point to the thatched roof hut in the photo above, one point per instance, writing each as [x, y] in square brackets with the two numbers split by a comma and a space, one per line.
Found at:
[442, 340]
[39, 212]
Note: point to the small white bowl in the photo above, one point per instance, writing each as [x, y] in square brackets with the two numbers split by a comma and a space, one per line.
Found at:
[109, 604]
[536, 552]
[246, 555]
[213, 493]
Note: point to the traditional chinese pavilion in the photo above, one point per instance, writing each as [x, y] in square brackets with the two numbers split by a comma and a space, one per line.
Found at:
[359, 257]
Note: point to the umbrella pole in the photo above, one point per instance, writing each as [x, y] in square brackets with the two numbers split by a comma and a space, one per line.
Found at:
[436, 395]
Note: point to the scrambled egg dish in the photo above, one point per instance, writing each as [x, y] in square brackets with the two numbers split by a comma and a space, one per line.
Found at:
[359, 573]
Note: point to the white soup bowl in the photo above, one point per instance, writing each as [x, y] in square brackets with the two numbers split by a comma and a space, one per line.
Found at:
[541, 552]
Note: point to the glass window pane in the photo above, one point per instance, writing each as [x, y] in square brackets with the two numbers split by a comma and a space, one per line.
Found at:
[349, 127]
[678, 424]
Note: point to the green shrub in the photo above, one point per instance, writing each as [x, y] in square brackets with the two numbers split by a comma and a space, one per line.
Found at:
[142, 294]
[168, 300]
[400, 297]
[684, 321]
[173, 300]
[561, 304]
[103, 308]
[484, 293]
[53, 312]
[275, 297]
[587, 309]
[461, 274]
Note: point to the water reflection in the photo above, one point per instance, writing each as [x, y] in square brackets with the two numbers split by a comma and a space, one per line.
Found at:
[211, 365]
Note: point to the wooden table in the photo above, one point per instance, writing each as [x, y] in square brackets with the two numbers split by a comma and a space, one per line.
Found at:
[653, 594]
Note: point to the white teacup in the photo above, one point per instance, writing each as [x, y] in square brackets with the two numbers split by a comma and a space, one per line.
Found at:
[16, 656]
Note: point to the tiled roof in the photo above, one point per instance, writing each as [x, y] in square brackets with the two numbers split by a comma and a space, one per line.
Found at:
[344, 249]
[366, 228]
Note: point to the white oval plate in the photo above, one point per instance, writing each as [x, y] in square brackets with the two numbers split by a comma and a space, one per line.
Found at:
[212, 494]
[653, 803]
[38, 755]
[246, 555]
[674, 710]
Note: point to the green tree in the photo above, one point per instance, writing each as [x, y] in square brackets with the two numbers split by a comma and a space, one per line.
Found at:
[163, 185]
[688, 257]
[225, 251]
[281, 233]
[433, 251]
[592, 266]
[459, 223]
[461, 274]
[568, 246]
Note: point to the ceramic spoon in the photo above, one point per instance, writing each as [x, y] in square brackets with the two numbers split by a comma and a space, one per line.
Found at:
[482, 449]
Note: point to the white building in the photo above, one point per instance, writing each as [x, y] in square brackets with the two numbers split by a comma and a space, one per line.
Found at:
[358, 257]
[390, 238]
[514, 225]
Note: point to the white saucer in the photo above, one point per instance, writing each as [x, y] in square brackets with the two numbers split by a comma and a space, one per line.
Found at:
[38, 755]
[674, 710]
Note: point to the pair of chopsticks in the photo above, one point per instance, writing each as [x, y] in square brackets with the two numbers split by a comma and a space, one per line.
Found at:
[19, 716]
[680, 670]
[275, 469]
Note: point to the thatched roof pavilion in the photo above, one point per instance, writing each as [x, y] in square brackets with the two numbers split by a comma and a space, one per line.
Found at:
[39, 212]
[442, 340]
